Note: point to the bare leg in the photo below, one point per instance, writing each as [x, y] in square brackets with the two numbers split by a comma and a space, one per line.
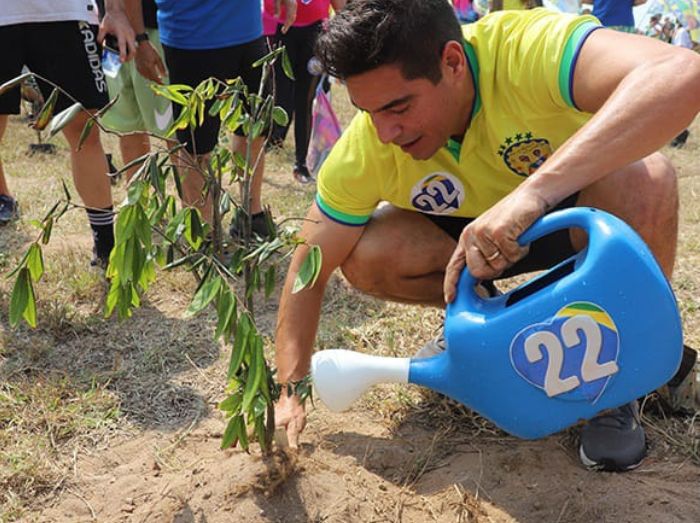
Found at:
[645, 195]
[89, 165]
[401, 256]
[189, 166]
[239, 146]
[133, 146]
[4, 189]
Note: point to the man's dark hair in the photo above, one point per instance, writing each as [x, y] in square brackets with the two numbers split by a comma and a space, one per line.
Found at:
[369, 33]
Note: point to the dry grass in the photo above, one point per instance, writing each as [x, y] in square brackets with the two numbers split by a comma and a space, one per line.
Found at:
[79, 381]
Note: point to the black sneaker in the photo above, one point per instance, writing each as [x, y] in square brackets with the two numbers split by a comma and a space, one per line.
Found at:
[98, 261]
[302, 175]
[614, 441]
[9, 210]
[262, 225]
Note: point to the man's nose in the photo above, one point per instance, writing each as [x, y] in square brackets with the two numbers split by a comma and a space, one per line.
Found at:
[388, 129]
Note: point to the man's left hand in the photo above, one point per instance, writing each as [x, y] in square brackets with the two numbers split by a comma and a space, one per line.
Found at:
[116, 23]
[290, 13]
[489, 245]
[149, 63]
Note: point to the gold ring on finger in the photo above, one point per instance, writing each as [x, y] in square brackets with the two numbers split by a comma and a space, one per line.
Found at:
[493, 256]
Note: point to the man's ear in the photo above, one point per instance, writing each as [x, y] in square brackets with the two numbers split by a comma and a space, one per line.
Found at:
[454, 62]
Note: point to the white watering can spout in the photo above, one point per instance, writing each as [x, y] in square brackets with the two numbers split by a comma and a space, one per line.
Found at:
[342, 376]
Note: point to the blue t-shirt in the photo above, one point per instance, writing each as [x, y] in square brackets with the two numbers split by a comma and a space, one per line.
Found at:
[614, 13]
[208, 24]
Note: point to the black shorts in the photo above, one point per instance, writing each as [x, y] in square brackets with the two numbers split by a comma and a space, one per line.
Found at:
[67, 53]
[544, 252]
[192, 66]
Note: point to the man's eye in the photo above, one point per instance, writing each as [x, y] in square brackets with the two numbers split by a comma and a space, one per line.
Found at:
[399, 110]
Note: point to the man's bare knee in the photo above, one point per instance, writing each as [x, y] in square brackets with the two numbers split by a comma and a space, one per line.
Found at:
[363, 269]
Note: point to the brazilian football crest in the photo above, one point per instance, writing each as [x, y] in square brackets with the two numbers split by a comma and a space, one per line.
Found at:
[524, 154]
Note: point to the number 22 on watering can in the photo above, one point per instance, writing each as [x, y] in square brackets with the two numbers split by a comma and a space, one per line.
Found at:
[572, 356]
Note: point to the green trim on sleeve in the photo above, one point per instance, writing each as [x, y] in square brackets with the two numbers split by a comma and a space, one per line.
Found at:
[568, 61]
[338, 216]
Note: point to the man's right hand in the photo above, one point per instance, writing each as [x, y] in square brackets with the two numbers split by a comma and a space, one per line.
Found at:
[290, 415]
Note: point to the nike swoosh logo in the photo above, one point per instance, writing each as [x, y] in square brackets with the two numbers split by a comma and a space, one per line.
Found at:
[164, 119]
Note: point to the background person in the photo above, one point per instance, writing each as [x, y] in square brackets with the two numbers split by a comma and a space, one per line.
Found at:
[296, 95]
[139, 108]
[220, 39]
[59, 41]
[8, 205]
[616, 14]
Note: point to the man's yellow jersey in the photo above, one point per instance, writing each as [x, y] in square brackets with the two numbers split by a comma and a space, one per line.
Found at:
[522, 63]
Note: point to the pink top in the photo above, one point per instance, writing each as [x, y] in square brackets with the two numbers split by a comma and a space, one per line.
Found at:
[308, 12]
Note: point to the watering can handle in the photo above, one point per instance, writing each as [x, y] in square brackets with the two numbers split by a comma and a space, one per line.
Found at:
[580, 217]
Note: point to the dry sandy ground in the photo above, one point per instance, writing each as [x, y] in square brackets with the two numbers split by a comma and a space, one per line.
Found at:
[350, 468]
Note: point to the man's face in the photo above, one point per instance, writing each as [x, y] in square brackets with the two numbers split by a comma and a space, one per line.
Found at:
[416, 115]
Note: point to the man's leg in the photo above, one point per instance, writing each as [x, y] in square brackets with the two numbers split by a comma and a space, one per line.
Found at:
[133, 146]
[190, 167]
[401, 256]
[89, 166]
[8, 205]
[4, 189]
[239, 145]
[645, 195]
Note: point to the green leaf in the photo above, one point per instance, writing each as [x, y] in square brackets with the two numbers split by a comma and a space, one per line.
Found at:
[172, 92]
[242, 434]
[35, 262]
[14, 82]
[240, 345]
[232, 404]
[20, 297]
[46, 112]
[193, 228]
[280, 116]
[66, 191]
[30, 310]
[270, 280]
[230, 437]
[64, 118]
[176, 225]
[85, 132]
[255, 372]
[226, 312]
[48, 227]
[112, 296]
[135, 191]
[216, 106]
[204, 296]
[287, 66]
[309, 271]
[268, 57]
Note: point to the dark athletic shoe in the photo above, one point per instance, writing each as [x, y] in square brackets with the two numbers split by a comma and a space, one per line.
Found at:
[302, 175]
[614, 441]
[9, 210]
[262, 225]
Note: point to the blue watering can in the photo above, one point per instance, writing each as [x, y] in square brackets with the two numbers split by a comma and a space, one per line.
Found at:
[594, 332]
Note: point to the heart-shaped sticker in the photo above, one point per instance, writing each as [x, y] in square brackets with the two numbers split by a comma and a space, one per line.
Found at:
[573, 356]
